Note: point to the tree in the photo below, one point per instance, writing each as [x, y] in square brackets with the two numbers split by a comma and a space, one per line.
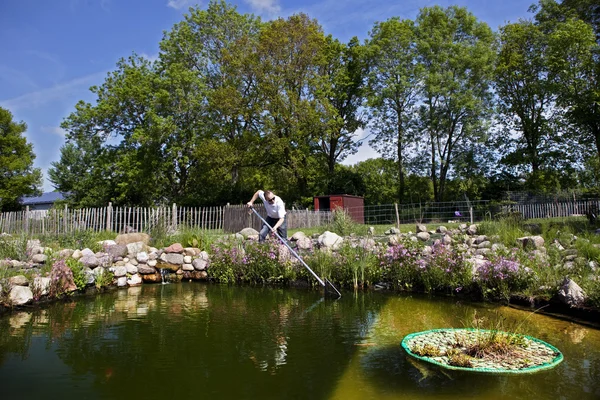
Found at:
[290, 59]
[457, 53]
[395, 82]
[18, 178]
[379, 178]
[343, 93]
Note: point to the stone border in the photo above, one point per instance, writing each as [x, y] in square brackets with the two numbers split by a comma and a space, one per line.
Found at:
[434, 336]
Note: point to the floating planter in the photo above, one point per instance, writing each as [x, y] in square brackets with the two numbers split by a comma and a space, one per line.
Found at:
[482, 350]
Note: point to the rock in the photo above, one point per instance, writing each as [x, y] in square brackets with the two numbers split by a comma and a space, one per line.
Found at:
[135, 247]
[107, 243]
[441, 229]
[171, 258]
[18, 280]
[421, 228]
[129, 238]
[87, 252]
[392, 231]
[119, 271]
[330, 240]
[89, 261]
[393, 240]
[39, 258]
[65, 253]
[371, 231]
[201, 263]
[483, 252]
[485, 245]
[122, 281]
[479, 239]
[571, 294]
[248, 232]
[304, 243]
[367, 244]
[135, 280]
[297, 236]
[174, 248]
[169, 266]
[145, 269]
[423, 236]
[152, 278]
[76, 254]
[142, 257]
[41, 285]
[151, 263]
[472, 230]
[98, 271]
[20, 295]
[191, 251]
[117, 250]
[89, 274]
[535, 242]
[447, 240]
[187, 267]
[131, 269]
[187, 259]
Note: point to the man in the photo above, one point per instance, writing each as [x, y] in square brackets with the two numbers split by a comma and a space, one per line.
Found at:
[275, 214]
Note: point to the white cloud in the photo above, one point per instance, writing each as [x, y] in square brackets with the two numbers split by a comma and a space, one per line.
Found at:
[179, 4]
[270, 7]
[56, 130]
[58, 92]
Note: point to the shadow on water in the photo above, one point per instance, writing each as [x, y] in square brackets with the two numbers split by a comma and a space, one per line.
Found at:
[389, 369]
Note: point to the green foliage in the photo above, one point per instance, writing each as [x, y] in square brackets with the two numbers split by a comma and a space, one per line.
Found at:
[342, 223]
[77, 240]
[14, 248]
[79, 275]
[17, 176]
[104, 279]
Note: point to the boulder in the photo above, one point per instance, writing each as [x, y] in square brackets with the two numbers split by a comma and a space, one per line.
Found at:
[89, 261]
[135, 247]
[195, 275]
[41, 285]
[169, 266]
[171, 258]
[297, 236]
[122, 281]
[119, 271]
[18, 280]
[423, 236]
[39, 258]
[304, 243]
[87, 252]
[76, 254]
[146, 269]
[441, 229]
[135, 280]
[152, 278]
[20, 295]
[128, 238]
[246, 232]
[131, 269]
[117, 250]
[571, 294]
[187, 267]
[472, 230]
[174, 248]
[330, 240]
[392, 231]
[421, 228]
[142, 257]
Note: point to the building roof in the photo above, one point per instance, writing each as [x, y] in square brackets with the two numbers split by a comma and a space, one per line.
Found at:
[45, 198]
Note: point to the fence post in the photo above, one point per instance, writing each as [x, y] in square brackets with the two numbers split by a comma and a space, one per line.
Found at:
[65, 219]
[109, 217]
[174, 217]
[397, 216]
[471, 214]
[26, 222]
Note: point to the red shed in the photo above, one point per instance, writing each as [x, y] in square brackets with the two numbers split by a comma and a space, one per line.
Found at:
[355, 205]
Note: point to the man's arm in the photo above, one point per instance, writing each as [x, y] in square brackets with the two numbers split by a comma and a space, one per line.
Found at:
[254, 197]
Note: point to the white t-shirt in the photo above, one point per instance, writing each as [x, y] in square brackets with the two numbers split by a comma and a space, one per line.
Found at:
[275, 209]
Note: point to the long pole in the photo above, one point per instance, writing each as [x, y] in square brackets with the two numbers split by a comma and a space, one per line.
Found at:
[290, 248]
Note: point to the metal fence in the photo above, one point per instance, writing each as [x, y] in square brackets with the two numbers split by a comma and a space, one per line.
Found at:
[231, 219]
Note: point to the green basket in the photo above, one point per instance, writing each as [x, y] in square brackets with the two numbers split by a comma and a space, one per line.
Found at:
[527, 370]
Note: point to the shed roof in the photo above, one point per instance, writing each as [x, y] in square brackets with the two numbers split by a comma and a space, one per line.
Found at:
[45, 198]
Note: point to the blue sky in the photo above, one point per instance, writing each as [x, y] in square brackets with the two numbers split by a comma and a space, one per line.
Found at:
[54, 50]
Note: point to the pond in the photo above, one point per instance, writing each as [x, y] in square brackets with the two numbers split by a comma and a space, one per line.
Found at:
[195, 340]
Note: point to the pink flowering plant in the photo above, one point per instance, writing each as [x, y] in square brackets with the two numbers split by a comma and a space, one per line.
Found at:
[444, 270]
[399, 264]
[505, 273]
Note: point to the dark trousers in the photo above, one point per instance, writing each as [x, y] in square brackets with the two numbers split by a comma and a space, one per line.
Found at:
[281, 231]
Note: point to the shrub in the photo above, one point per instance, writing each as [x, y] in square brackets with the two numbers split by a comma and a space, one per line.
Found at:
[79, 273]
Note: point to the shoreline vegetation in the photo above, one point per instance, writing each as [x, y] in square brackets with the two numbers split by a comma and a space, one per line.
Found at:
[551, 263]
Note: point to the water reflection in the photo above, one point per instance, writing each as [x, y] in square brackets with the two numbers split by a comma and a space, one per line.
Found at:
[232, 342]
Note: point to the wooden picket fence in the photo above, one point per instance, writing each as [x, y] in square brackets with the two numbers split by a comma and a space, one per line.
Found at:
[227, 219]
[555, 209]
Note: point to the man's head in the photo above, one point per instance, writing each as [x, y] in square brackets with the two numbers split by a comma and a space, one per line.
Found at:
[269, 196]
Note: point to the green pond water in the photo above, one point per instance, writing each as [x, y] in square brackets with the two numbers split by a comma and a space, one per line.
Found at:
[194, 340]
